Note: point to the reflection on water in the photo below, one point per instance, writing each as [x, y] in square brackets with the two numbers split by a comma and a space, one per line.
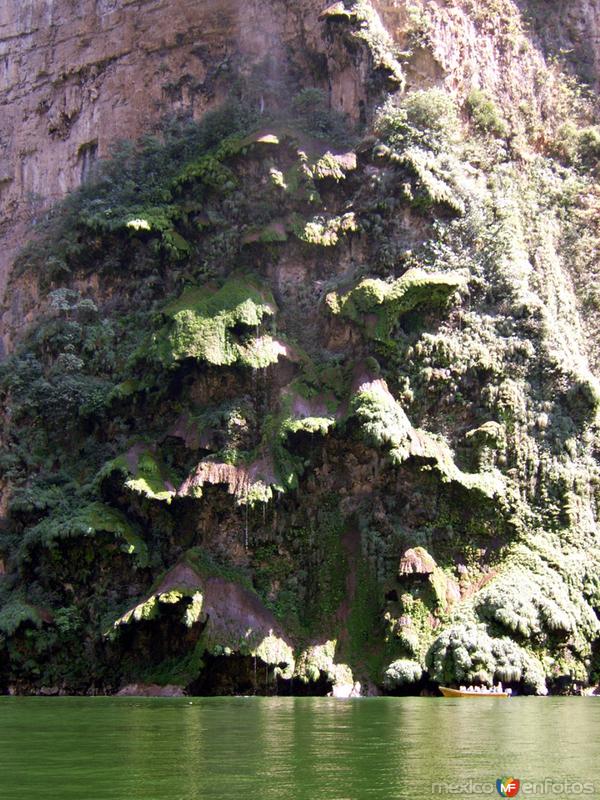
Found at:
[292, 748]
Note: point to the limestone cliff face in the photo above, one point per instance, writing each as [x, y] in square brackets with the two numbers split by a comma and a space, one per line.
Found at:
[308, 376]
[75, 78]
[570, 30]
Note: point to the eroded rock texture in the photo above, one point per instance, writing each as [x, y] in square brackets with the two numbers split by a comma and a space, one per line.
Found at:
[299, 392]
[77, 77]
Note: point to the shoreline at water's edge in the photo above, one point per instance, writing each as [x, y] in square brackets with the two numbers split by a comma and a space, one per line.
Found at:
[176, 692]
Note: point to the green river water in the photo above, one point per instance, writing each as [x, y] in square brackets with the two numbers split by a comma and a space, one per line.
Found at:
[294, 748]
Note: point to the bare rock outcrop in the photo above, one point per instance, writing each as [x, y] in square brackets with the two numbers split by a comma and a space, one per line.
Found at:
[72, 83]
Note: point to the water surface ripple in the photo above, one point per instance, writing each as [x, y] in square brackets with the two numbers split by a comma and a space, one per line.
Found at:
[290, 748]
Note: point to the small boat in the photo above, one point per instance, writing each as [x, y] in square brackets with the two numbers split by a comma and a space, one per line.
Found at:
[464, 693]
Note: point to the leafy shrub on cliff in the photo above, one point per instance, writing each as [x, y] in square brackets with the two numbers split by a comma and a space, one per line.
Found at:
[28, 501]
[146, 473]
[72, 522]
[401, 673]
[138, 184]
[589, 145]
[425, 118]
[466, 654]
[16, 613]
[326, 231]
[319, 661]
[366, 26]
[203, 325]
[382, 420]
[312, 111]
[530, 604]
[485, 114]
[62, 395]
[578, 146]
[387, 302]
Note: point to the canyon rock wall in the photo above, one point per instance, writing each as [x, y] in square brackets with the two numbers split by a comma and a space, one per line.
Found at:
[75, 77]
[310, 380]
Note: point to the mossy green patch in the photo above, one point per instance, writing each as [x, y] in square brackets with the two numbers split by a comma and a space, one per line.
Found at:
[16, 613]
[377, 305]
[466, 654]
[384, 423]
[326, 231]
[402, 672]
[145, 472]
[202, 324]
[319, 660]
[101, 517]
[91, 518]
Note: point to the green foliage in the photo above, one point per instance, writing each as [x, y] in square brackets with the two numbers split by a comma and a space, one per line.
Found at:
[326, 231]
[137, 190]
[367, 28]
[61, 396]
[434, 181]
[383, 422]
[146, 473]
[100, 517]
[209, 169]
[529, 604]
[589, 144]
[579, 146]
[313, 115]
[68, 620]
[466, 654]
[363, 624]
[319, 660]
[427, 119]
[177, 671]
[401, 673]
[389, 301]
[485, 114]
[36, 499]
[202, 325]
[16, 613]
[206, 565]
[328, 567]
[486, 415]
[84, 521]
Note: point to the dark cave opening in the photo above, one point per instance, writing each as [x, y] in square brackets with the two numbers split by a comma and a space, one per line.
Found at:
[422, 688]
[297, 688]
[248, 675]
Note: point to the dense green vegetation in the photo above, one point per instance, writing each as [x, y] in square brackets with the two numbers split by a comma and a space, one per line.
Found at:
[346, 380]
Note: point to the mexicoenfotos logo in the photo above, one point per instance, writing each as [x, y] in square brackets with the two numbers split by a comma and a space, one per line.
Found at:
[508, 787]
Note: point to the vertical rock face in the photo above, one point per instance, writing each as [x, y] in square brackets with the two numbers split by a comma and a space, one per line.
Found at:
[307, 379]
[570, 30]
[74, 79]
[77, 77]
